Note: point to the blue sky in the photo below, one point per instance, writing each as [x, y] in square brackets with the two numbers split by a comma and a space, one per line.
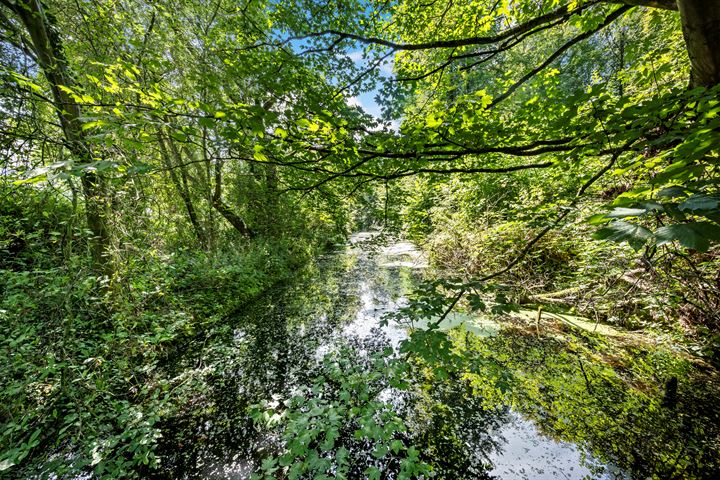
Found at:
[366, 100]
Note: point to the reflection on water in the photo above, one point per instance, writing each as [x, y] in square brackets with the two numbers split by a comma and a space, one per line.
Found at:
[528, 454]
[274, 347]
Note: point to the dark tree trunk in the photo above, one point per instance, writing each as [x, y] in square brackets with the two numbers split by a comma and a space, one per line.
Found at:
[233, 218]
[701, 29]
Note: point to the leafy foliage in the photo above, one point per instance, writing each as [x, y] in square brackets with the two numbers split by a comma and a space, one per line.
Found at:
[339, 427]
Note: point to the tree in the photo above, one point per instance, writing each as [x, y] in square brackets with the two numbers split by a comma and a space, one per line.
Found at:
[46, 47]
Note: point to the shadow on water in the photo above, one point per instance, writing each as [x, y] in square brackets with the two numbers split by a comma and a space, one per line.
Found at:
[279, 346]
[269, 346]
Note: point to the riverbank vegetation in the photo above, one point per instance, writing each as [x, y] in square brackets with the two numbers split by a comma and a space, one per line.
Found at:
[165, 167]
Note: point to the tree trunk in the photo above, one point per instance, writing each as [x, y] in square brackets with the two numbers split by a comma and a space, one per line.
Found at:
[232, 217]
[51, 59]
[701, 29]
[181, 184]
[217, 203]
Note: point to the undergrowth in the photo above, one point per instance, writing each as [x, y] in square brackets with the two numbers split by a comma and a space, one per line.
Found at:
[84, 386]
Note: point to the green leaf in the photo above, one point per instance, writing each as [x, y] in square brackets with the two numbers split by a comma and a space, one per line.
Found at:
[672, 192]
[93, 124]
[179, 136]
[485, 99]
[258, 153]
[396, 446]
[380, 451]
[622, 212]
[597, 219]
[696, 236]
[621, 231]
[372, 473]
[206, 122]
[700, 202]
[433, 121]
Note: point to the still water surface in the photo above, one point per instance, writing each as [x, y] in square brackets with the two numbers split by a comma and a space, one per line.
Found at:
[274, 346]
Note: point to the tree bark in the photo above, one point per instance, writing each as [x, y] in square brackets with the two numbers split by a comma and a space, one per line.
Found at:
[701, 29]
[232, 217]
[51, 59]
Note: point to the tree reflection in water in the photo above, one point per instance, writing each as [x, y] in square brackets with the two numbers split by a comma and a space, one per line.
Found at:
[351, 405]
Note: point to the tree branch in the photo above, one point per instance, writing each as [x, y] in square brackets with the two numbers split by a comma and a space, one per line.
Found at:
[662, 4]
[556, 14]
[608, 20]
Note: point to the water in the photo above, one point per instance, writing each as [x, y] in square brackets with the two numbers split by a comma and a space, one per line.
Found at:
[273, 348]
[526, 453]
[521, 452]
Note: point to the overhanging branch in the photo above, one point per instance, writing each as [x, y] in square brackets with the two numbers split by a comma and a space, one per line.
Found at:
[662, 4]
[564, 11]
